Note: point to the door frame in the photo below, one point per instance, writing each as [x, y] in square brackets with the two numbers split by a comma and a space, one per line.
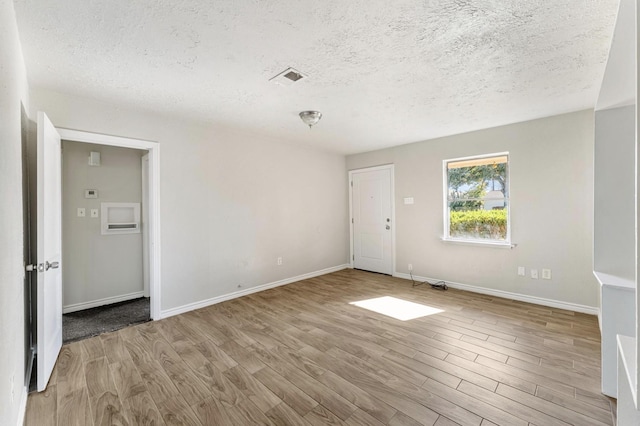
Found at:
[153, 227]
[390, 167]
[145, 220]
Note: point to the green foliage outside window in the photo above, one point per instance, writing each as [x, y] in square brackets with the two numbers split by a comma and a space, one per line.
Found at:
[484, 224]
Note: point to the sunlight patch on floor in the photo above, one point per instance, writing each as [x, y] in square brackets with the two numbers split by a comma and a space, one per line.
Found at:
[402, 310]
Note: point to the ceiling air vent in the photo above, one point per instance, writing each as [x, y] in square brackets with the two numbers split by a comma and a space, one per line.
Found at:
[288, 77]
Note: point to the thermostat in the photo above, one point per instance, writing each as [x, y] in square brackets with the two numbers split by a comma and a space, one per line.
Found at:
[90, 193]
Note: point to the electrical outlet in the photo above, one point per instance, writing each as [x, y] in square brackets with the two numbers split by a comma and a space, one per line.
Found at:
[81, 212]
[534, 274]
[94, 212]
[279, 261]
[410, 267]
[546, 274]
[521, 271]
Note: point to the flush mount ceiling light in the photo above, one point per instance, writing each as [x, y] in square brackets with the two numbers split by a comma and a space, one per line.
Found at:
[310, 117]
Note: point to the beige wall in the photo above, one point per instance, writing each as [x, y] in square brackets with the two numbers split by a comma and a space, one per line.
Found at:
[231, 203]
[97, 266]
[551, 172]
[13, 92]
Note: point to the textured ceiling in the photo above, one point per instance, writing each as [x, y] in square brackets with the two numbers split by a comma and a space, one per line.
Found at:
[382, 72]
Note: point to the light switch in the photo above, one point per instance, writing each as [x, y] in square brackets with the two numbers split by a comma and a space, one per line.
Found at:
[81, 212]
[94, 212]
[408, 200]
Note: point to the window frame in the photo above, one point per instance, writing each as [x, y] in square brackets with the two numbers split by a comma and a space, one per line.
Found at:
[446, 212]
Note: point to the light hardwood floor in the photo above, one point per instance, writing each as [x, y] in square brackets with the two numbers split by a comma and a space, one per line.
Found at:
[302, 355]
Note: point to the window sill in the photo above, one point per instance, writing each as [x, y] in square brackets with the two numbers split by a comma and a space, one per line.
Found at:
[493, 244]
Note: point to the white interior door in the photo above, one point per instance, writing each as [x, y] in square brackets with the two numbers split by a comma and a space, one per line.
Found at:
[371, 204]
[49, 241]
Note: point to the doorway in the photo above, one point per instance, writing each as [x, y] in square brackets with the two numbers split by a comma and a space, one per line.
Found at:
[102, 283]
[372, 212]
[151, 181]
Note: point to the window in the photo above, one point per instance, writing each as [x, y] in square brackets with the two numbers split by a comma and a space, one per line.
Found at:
[477, 199]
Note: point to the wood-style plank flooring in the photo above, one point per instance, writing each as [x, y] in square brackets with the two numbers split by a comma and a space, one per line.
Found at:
[301, 354]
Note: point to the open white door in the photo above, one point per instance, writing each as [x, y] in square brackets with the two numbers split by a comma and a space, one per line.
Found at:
[372, 208]
[49, 250]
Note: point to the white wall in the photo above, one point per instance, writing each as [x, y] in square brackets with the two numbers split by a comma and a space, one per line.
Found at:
[13, 92]
[614, 236]
[551, 172]
[614, 192]
[231, 203]
[98, 267]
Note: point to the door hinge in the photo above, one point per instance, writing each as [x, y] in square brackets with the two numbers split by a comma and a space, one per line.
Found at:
[353, 257]
[352, 220]
[352, 184]
[34, 267]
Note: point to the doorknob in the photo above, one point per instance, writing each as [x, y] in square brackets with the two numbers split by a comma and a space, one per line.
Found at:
[52, 265]
[388, 227]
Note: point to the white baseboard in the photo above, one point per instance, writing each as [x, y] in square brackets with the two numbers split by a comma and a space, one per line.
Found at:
[208, 302]
[22, 408]
[100, 302]
[591, 310]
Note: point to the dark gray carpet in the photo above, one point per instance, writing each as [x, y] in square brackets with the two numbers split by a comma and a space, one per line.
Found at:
[103, 319]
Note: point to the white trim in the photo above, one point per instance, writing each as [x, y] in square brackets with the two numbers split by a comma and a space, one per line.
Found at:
[487, 243]
[22, 408]
[392, 184]
[591, 310]
[208, 302]
[101, 302]
[372, 169]
[155, 279]
[393, 218]
[100, 139]
[478, 157]
[350, 187]
[144, 160]
[154, 200]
